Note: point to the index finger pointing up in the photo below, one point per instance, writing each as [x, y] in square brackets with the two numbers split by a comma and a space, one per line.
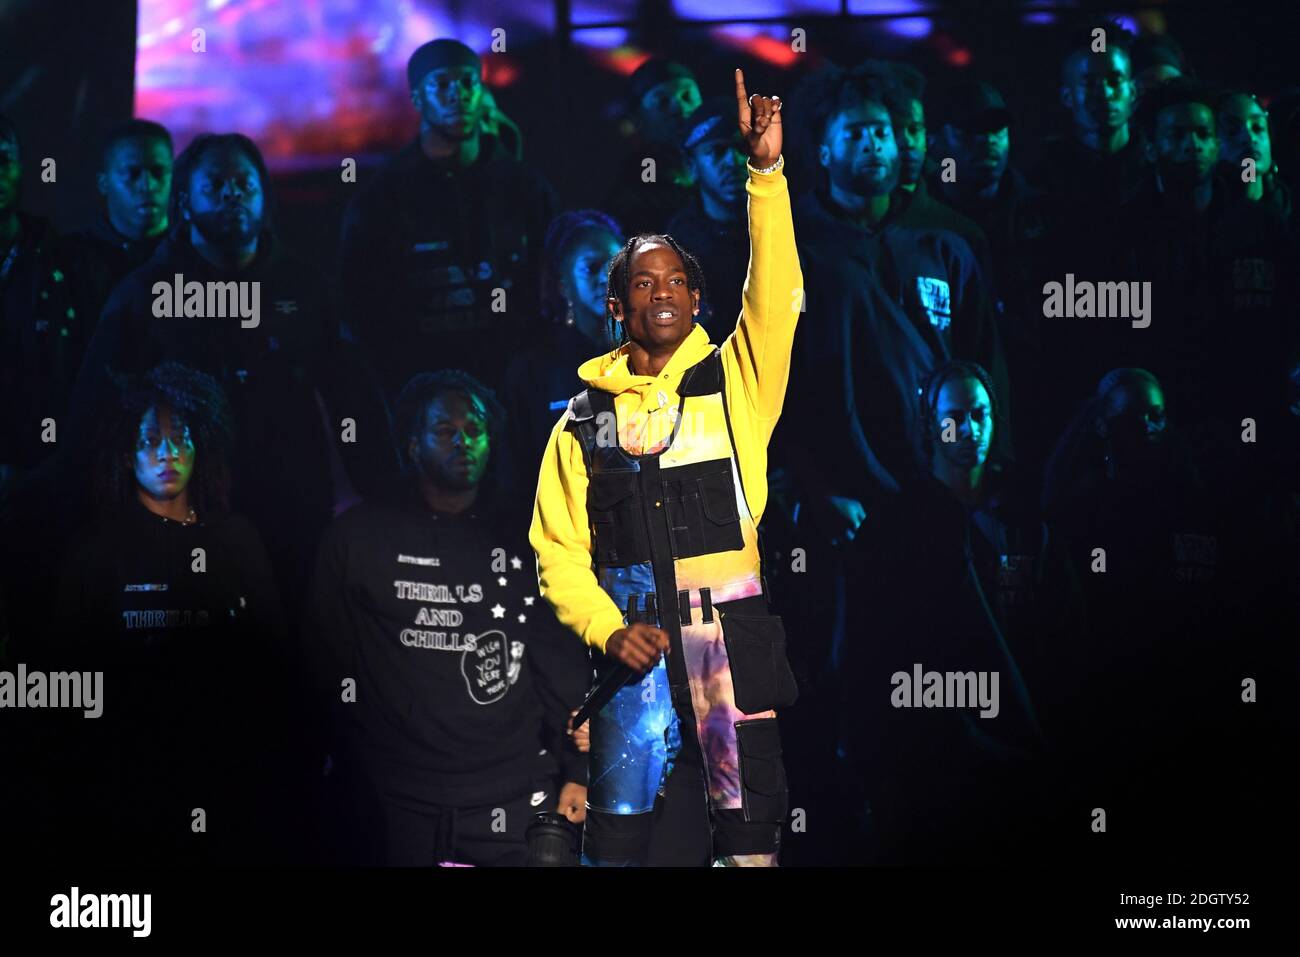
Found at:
[742, 98]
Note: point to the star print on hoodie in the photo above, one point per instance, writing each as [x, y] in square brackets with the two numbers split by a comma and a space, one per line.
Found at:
[458, 673]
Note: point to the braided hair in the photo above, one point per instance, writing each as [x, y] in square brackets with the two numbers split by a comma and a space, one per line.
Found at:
[929, 399]
[560, 234]
[620, 276]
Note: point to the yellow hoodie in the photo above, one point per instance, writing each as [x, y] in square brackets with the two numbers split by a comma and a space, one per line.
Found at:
[756, 364]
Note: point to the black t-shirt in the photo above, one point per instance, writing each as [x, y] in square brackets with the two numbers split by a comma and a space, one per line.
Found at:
[178, 616]
[1077, 180]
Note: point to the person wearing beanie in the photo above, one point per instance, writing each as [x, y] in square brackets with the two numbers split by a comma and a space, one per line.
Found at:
[441, 248]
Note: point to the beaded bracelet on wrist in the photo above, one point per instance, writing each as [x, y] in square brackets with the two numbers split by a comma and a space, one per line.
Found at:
[780, 161]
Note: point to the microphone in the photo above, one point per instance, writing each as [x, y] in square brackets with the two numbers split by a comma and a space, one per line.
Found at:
[619, 674]
[605, 689]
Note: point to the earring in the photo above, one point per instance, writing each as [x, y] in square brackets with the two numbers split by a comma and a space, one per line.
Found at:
[570, 318]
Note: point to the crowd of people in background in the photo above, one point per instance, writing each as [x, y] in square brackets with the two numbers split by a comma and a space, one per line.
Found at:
[1088, 489]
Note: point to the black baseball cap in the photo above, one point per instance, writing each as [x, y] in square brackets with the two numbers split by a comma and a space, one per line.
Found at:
[714, 121]
[437, 54]
[974, 106]
[650, 74]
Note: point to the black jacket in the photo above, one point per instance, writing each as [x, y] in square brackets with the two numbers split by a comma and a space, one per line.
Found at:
[1223, 331]
[951, 588]
[920, 209]
[103, 257]
[884, 307]
[1078, 181]
[1014, 224]
[42, 334]
[424, 248]
[462, 674]
[290, 380]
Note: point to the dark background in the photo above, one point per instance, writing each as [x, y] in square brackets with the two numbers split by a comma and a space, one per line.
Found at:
[67, 71]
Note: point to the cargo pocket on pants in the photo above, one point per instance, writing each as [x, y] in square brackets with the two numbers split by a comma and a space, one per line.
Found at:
[763, 792]
[761, 678]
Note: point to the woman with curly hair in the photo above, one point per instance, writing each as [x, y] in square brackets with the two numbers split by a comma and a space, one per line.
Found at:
[172, 597]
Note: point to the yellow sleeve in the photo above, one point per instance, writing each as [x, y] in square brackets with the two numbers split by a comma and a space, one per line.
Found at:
[561, 538]
[757, 354]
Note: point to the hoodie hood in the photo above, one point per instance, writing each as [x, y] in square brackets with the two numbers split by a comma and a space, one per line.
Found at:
[611, 373]
[648, 406]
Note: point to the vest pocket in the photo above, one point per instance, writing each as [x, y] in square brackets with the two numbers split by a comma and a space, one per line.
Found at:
[718, 493]
[760, 674]
[701, 499]
[764, 794]
[617, 527]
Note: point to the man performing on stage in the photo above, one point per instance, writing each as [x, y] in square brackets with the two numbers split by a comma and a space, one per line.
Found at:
[645, 527]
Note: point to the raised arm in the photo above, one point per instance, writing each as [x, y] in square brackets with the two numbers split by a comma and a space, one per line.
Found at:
[757, 354]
